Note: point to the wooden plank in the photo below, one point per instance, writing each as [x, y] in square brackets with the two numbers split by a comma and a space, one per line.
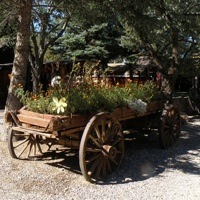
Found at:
[35, 114]
[73, 133]
[129, 112]
[33, 120]
[71, 122]
[118, 113]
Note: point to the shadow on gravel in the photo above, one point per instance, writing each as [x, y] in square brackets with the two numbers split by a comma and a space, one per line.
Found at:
[144, 159]
[63, 159]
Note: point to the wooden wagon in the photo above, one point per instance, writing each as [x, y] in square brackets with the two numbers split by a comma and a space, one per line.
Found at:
[98, 137]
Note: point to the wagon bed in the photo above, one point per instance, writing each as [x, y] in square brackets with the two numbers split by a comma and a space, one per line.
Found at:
[56, 123]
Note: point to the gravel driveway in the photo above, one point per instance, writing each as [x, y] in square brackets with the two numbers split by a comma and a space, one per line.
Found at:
[147, 172]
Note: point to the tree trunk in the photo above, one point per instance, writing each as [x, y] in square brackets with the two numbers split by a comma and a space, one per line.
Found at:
[37, 67]
[175, 61]
[173, 70]
[20, 62]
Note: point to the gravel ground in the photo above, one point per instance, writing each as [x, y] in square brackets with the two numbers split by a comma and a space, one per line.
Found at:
[147, 172]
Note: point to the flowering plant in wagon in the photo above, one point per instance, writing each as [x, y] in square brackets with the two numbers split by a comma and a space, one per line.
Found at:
[88, 98]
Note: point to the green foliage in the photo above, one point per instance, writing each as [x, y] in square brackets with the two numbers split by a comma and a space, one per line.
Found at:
[87, 98]
[37, 103]
[150, 25]
[99, 41]
[107, 29]
[8, 20]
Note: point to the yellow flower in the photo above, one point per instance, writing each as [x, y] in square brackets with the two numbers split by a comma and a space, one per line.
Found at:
[59, 105]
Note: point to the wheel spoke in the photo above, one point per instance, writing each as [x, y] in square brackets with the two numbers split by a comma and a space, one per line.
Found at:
[103, 125]
[29, 152]
[104, 167]
[173, 138]
[175, 128]
[92, 158]
[24, 141]
[113, 160]
[116, 141]
[96, 142]
[99, 167]
[93, 150]
[38, 142]
[109, 129]
[170, 138]
[97, 131]
[35, 148]
[94, 166]
[177, 121]
[108, 165]
[166, 139]
[113, 132]
[166, 136]
[171, 141]
[173, 117]
[168, 121]
[23, 150]
[166, 132]
[39, 147]
[166, 125]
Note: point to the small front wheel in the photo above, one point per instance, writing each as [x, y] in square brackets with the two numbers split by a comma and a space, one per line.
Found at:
[101, 148]
[23, 145]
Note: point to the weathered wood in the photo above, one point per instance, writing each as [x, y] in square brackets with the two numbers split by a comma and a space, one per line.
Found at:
[33, 120]
[52, 122]
[73, 133]
[69, 122]
[35, 114]
[69, 142]
[58, 123]
[20, 129]
[155, 106]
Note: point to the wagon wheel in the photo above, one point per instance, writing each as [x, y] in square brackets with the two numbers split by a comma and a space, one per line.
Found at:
[101, 148]
[170, 128]
[23, 145]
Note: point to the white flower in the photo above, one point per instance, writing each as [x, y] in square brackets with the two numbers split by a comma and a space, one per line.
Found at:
[59, 105]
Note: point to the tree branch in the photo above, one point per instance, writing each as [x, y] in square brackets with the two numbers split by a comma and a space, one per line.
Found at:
[52, 41]
[190, 8]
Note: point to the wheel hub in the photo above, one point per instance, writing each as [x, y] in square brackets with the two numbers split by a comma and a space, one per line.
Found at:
[112, 151]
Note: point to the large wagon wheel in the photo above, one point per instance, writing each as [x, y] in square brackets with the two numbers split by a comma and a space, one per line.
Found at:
[101, 148]
[170, 128]
[24, 145]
